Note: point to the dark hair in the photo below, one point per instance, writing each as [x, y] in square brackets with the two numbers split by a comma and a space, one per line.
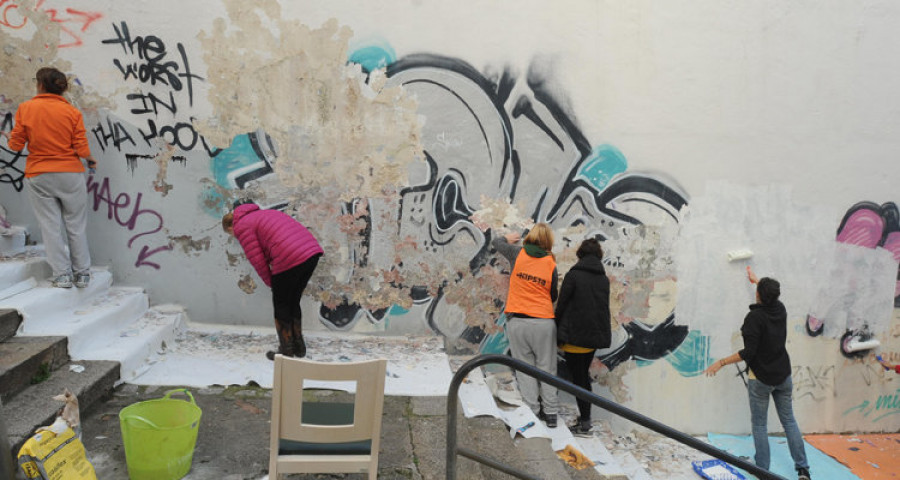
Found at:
[52, 80]
[769, 290]
[590, 246]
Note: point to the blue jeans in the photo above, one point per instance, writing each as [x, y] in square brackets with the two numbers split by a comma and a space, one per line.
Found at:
[759, 408]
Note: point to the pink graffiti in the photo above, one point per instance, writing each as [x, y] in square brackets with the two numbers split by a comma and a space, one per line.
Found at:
[71, 22]
[100, 193]
[870, 225]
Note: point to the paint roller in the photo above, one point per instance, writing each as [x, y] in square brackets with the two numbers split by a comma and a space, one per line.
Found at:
[856, 345]
[742, 254]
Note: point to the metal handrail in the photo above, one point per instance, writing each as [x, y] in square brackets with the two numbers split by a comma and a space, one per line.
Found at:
[452, 400]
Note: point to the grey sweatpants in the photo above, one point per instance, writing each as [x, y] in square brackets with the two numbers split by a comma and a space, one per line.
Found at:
[59, 201]
[533, 340]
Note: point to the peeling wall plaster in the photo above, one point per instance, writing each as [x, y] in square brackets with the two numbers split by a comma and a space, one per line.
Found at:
[408, 159]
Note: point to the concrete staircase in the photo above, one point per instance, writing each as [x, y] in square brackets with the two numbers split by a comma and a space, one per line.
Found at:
[87, 340]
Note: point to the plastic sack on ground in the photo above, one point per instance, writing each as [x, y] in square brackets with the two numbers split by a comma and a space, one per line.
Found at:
[55, 453]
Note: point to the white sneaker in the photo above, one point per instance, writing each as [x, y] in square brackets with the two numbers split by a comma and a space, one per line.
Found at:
[82, 280]
[62, 281]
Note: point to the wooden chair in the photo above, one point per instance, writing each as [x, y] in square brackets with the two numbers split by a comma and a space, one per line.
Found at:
[325, 437]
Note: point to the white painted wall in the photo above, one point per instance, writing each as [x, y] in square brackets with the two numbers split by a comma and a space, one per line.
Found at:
[772, 120]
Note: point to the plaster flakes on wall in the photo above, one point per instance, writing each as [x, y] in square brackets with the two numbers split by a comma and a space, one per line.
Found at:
[500, 215]
[233, 258]
[247, 284]
[17, 69]
[613, 380]
[189, 245]
[162, 161]
[294, 82]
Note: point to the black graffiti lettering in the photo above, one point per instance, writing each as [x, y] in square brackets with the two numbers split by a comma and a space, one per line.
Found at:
[150, 103]
[131, 160]
[9, 172]
[7, 124]
[114, 132]
[187, 75]
[151, 66]
[181, 135]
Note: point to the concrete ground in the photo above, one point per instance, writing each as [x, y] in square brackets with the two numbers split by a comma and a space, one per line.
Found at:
[233, 438]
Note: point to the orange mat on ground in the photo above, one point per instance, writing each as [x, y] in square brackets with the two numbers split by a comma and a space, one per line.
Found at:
[870, 457]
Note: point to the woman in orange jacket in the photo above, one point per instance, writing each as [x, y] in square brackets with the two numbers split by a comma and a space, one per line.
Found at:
[54, 132]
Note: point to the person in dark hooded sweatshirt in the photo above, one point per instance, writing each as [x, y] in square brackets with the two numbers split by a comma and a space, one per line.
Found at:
[769, 368]
[582, 320]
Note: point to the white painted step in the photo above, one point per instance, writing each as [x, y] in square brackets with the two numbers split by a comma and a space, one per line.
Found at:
[12, 241]
[134, 344]
[14, 270]
[100, 318]
[44, 301]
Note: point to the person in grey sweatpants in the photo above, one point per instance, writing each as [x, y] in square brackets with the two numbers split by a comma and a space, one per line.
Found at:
[62, 195]
[530, 326]
[53, 130]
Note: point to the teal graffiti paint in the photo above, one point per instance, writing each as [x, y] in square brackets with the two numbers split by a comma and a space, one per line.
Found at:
[234, 158]
[373, 57]
[691, 357]
[496, 342]
[884, 406]
[606, 161]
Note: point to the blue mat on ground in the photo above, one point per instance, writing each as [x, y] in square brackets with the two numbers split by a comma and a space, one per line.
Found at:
[820, 464]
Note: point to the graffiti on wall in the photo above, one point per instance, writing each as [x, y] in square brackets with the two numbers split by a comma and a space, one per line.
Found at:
[72, 21]
[166, 82]
[12, 164]
[127, 212]
[854, 308]
[415, 248]
[531, 154]
[878, 409]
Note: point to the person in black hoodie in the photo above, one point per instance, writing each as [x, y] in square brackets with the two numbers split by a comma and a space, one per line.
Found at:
[582, 316]
[765, 332]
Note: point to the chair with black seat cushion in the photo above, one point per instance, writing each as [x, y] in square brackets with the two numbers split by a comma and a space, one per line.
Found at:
[325, 437]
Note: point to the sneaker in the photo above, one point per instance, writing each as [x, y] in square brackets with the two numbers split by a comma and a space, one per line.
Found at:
[62, 281]
[548, 418]
[82, 280]
[803, 474]
[582, 428]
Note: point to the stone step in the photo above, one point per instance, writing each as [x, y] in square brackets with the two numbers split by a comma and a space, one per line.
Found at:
[133, 344]
[24, 360]
[90, 381]
[9, 323]
[44, 301]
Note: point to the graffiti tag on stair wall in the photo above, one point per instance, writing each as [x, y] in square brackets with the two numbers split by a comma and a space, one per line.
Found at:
[126, 211]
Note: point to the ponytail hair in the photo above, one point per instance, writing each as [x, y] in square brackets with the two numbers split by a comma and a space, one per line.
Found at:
[52, 80]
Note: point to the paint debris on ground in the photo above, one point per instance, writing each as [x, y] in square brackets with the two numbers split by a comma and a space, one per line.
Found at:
[204, 355]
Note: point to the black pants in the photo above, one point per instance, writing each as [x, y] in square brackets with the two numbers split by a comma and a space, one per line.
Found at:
[287, 289]
[579, 364]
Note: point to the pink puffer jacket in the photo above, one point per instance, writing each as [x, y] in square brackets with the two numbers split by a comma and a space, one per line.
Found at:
[273, 241]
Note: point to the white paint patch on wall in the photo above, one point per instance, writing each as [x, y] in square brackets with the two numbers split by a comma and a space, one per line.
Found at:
[856, 290]
[789, 242]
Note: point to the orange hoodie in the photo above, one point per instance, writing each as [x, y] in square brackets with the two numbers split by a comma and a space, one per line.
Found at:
[55, 134]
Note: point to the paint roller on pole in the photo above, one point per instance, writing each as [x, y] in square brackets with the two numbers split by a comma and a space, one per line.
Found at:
[742, 254]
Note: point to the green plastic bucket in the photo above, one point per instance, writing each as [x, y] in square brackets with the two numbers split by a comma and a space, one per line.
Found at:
[160, 436]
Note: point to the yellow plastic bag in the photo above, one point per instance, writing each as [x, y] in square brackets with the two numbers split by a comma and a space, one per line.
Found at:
[51, 456]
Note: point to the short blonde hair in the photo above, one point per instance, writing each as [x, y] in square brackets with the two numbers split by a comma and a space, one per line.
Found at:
[228, 221]
[541, 235]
